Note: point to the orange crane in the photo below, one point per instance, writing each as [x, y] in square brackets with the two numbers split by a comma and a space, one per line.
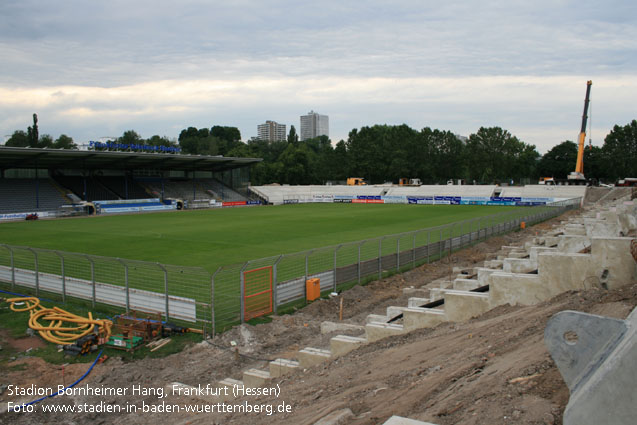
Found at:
[577, 176]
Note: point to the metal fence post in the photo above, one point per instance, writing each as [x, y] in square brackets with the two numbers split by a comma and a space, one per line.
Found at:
[12, 268]
[335, 266]
[275, 294]
[243, 292]
[398, 254]
[212, 301]
[126, 284]
[63, 276]
[92, 279]
[440, 245]
[428, 246]
[165, 288]
[359, 262]
[380, 258]
[413, 256]
[37, 273]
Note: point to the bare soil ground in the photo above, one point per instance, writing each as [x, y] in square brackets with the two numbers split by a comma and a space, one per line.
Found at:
[493, 369]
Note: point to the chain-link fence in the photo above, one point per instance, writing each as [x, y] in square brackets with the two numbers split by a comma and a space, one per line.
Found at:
[218, 301]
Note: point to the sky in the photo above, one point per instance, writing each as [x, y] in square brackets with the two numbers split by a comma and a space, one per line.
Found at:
[96, 69]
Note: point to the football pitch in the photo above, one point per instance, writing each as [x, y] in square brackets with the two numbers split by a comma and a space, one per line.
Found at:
[218, 237]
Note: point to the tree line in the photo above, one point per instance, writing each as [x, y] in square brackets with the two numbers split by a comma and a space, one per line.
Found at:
[385, 153]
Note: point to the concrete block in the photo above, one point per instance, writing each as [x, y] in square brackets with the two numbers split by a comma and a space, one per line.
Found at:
[463, 305]
[376, 331]
[399, 420]
[493, 264]
[536, 250]
[519, 265]
[465, 284]
[280, 367]
[483, 275]
[255, 378]
[328, 327]
[575, 229]
[516, 254]
[613, 254]
[445, 284]
[310, 356]
[418, 318]
[417, 302]
[343, 344]
[376, 318]
[393, 311]
[437, 293]
[516, 289]
[229, 383]
[562, 272]
[551, 241]
[573, 243]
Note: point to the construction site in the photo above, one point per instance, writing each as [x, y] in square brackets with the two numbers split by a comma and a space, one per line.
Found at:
[530, 327]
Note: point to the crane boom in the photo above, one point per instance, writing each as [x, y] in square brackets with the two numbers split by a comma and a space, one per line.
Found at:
[579, 166]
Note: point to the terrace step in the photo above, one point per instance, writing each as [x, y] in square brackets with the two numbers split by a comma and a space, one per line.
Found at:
[376, 331]
[463, 305]
[343, 344]
[255, 378]
[418, 318]
[310, 356]
[280, 367]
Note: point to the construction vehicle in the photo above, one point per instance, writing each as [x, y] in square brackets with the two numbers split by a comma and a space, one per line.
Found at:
[577, 176]
[409, 182]
[356, 181]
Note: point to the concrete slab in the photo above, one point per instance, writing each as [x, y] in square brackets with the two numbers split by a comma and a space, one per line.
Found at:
[393, 311]
[573, 243]
[310, 356]
[255, 378]
[463, 305]
[399, 420]
[343, 344]
[417, 302]
[516, 289]
[519, 265]
[561, 272]
[376, 331]
[328, 327]
[376, 318]
[280, 367]
[437, 293]
[465, 284]
[418, 318]
[613, 254]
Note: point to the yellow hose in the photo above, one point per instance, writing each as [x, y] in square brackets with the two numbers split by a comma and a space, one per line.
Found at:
[54, 331]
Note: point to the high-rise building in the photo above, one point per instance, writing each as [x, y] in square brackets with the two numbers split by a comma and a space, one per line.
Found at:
[271, 131]
[314, 125]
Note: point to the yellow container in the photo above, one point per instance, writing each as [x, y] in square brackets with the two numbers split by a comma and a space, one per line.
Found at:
[312, 289]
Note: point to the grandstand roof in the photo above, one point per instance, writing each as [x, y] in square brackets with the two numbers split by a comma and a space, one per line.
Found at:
[66, 158]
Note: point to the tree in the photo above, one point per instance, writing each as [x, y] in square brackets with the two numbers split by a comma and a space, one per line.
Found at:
[130, 137]
[33, 133]
[64, 142]
[559, 161]
[46, 141]
[292, 136]
[19, 139]
[620, 150]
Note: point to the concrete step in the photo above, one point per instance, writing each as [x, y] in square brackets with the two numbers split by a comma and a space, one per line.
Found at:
[465, 284]
[376, 318]
[393, 311]
[517, 289]
[493, 264]
[417, 302]
[310, 356]
[519, 265]
[255, 378]
[437, 293]
[417, 318]
[280, 367]
[229, 384]
[343, 344]
[376, 331]
[463, 305]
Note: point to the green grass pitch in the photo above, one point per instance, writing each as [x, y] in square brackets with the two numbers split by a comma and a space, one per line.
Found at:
[212, 238]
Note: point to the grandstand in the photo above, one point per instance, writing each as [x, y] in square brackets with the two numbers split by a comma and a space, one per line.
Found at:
[292, 194]
[30, 195]
[42, 180]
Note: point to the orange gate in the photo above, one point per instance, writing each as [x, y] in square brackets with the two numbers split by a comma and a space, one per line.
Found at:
[257, 294]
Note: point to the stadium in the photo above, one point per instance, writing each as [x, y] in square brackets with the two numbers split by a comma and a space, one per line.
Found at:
[187, 240]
